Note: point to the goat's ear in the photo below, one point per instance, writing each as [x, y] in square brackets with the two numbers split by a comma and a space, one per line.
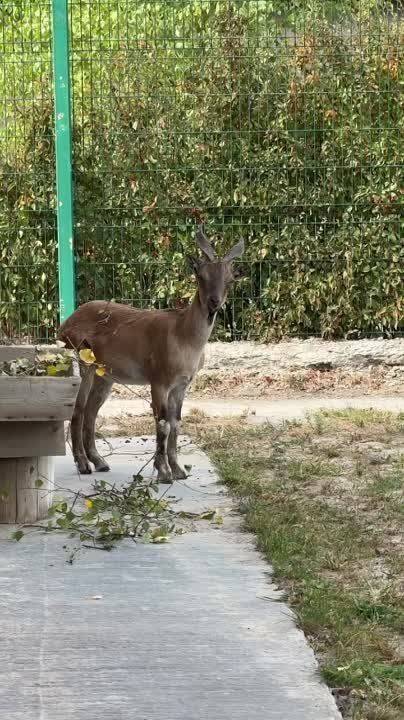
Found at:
[193, 263]
[204, 244]
[235, 252]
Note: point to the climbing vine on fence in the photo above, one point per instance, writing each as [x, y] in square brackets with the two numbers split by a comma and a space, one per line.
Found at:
[260, 119]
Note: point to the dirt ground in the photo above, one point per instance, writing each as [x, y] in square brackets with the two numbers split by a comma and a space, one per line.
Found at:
[295, 369]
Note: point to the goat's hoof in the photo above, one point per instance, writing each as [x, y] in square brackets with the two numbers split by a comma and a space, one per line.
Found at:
[164, 475]
[165, 478]
[83, 467]
[102, 468]
[178, 473]
[100, 465]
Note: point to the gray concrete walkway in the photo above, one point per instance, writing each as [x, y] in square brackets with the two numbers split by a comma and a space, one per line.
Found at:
[260, 410]
[191, 630]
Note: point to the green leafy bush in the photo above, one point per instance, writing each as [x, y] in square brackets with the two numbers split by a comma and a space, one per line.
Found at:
[281, 126]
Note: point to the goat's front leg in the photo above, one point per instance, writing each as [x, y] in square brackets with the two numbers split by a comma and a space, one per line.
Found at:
[99, 393]
[160, 410]
[175, 400]
[76, 426]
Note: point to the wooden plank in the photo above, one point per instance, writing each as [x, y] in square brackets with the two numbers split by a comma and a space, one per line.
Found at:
[27, 493]
[46, 472]
[8, 491]
[24, 439]
[33, 501]
[48, 348]
[37, 398]
[14, 352]
[25, 502]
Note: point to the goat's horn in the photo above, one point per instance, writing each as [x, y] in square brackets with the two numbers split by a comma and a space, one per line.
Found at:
[204, 244]
[236, 251]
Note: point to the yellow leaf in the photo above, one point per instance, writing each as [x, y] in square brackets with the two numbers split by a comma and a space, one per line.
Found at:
[47, 357]
[207, 515]
[100, 371]
[148, 208]
[61, 367]
[88, 503]
[51, 370]
[87, 356]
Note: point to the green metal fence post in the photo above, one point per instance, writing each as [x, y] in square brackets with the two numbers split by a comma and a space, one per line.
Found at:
[63, 157]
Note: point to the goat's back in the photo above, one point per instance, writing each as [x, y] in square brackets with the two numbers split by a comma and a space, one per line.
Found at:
[124, 338]
[106, 318]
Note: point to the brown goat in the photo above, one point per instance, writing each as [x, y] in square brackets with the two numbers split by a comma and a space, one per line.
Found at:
[160, 348]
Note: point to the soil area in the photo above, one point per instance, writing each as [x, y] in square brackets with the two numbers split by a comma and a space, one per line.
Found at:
[295, 369]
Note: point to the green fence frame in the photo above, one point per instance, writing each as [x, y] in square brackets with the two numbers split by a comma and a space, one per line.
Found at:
[63, 158]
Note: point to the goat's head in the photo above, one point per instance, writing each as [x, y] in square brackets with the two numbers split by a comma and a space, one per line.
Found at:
[214, 275]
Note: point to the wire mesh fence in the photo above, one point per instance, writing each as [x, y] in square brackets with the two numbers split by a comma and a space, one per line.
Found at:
[27, 224]
[278, 121]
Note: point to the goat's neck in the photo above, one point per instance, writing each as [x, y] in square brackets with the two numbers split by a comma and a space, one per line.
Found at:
[198, 325]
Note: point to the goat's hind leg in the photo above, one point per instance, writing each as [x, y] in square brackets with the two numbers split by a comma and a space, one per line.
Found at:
[76, 426]
[160, 410]
[99, 392]
[175, 401]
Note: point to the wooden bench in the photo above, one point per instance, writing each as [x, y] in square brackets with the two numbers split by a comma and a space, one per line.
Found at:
[33, 411]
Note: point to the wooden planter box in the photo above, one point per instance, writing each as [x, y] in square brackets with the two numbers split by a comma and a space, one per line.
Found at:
[33, 411]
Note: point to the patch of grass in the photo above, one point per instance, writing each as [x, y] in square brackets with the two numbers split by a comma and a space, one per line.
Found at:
[317, 422]
[296, 380]
[306, 470]
[196, 415]
[359, 672]
[384, 485]
[332, 452]
[137, 425]
[331, 530]
[365, 418]
[126, 425]
[375, 612]
[205, 380]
